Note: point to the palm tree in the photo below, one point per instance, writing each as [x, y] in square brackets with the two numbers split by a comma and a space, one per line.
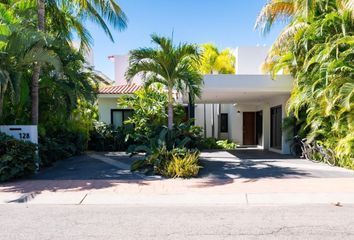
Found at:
[100, 12]
[169, 65]
[213, 61]
[18, 49]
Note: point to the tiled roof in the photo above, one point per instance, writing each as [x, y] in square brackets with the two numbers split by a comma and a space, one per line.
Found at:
[121, 89]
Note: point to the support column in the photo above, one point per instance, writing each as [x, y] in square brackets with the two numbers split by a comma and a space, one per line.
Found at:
[191, 109]
[213, 121]
[266, 126]
[205, 125]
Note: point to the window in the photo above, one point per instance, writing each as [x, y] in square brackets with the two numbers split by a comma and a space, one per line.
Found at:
[275, 127]
[259, 128]
[224, 123]
[119, 116]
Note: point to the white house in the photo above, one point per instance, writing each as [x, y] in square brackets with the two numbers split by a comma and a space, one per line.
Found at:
[246, 107]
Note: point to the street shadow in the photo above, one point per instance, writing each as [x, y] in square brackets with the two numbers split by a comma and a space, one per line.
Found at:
[78, 173]
[248, 165]
[83, 173]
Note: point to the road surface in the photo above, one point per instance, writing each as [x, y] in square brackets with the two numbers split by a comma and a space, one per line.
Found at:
[27, 222]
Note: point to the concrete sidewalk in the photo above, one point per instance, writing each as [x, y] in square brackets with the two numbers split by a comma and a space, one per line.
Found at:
[193, 192]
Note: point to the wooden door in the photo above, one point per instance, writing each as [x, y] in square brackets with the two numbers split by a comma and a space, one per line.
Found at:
[249, 128]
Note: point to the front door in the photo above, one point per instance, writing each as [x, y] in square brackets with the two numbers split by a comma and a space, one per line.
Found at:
[249, 128]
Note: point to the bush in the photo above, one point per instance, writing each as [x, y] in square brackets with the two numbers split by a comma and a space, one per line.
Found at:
[226, 144]
[161, 150]
[213, 143]
[208, 143]
[17, 158]
[185, 166]
[105, 137]
[178, 162]
[61, 143]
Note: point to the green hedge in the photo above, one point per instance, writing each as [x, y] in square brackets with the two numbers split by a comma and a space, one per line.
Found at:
[17, 158]
[64, 145]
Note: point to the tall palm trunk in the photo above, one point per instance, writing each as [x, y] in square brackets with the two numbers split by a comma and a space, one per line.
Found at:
[37, 67]
[170, 109]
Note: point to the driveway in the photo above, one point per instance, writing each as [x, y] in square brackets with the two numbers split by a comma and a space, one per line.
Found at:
[237, 164]
[227, 177]
[259, 164]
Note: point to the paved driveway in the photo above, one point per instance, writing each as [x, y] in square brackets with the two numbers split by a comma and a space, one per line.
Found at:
[237, 164]
[259, 164]
[235, 177]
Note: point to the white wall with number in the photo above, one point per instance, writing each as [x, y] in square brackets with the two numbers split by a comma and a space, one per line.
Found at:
[21, 132]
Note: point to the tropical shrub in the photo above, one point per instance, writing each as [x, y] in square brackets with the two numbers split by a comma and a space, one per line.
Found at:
[17, 158]
[208, 143]
[183, 166]
[226, 144]
[212, 143]
[159, 151]
[316, 48]
[149, 114]
[61, 143]
[105, 137]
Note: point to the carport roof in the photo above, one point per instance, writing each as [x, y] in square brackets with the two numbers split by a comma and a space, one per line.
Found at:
[230, 88]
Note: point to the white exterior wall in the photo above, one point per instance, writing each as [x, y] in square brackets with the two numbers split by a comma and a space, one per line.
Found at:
[121, 64]
[104, 108]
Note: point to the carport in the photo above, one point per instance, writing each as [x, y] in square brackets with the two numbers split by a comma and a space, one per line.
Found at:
[247, 109]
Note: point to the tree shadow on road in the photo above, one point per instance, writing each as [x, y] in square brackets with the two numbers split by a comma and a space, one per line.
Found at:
[75, 174]
[246, 166]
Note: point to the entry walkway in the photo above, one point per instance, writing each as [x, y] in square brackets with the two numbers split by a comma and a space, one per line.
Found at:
[234, 177]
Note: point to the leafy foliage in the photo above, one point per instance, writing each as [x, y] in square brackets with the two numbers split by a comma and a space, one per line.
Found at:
[67, 85]
[185, 166]
[226, 144]
[149, 114]
[160, 149]
[17, 158]
[317, 49]
[149, 111]
[212, 143]
[105, 137]
[214, 61]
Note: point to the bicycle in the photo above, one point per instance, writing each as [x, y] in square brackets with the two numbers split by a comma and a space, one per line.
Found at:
[326, 154]
[312, 151]
[308, 150]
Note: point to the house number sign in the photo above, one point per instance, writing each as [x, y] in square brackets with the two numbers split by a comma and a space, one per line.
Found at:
[21, 132]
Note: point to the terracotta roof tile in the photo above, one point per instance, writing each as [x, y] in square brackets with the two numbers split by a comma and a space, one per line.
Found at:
[121, 89]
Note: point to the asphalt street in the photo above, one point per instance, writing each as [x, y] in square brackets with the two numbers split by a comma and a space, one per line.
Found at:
[27, 222]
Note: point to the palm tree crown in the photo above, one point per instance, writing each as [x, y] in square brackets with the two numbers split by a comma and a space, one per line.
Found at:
[215, 61]
[169, 65]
